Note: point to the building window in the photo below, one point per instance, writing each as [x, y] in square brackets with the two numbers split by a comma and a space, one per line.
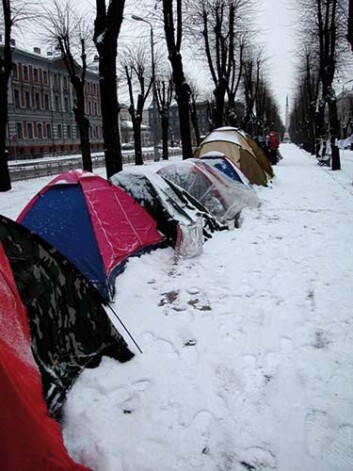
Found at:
[14, 70]
[19, 131]
[45, 77]
[39, 131]
[68, 130]
[37, 101]
[35, 75]
[66, 104]
[96, 108]
[25, 72]
[28, 100]
[17, 98]
[57, 103]
[46, 101]
[30, 130]
[48, 131]
[65, 82]
[60, 131]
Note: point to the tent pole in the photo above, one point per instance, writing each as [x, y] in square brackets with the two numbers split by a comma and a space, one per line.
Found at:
[121, 322]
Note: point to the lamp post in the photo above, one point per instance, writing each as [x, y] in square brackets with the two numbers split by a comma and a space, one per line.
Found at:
[154, 104]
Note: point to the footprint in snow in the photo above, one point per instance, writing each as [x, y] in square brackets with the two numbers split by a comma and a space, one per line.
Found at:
[332, 443]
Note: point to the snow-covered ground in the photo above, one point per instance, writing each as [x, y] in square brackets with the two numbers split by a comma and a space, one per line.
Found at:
[247, 359]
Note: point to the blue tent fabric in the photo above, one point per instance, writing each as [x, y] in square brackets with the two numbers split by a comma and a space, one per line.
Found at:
[224, 166]
[77, 238]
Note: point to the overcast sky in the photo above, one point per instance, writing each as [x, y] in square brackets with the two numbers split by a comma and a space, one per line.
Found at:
[275, 31]
[275, 19]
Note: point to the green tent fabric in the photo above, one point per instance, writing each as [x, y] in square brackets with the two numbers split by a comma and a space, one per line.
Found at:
[69, 327]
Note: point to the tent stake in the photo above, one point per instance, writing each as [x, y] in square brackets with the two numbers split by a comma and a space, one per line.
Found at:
[121, 322]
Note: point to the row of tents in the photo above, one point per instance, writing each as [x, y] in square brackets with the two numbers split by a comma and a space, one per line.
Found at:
[59, 262]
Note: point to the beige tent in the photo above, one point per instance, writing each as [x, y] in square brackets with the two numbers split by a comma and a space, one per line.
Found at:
[235, 145]
[259, 154]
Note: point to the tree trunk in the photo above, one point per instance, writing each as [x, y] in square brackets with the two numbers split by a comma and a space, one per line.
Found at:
[5, 70]
[109, 100]
[195, 121]
[184, 121]
[219, 94]
[182, 89]
[137, 138]
[83, 127]
[165, 130]
[5, 181]
[350, 24]
[106, 31]
[334, 126]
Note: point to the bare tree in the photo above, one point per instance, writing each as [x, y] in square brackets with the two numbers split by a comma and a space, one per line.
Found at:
[233, 84]
[350, 24]
[164, 95]
[134, 63]
[106, 31]
[193, 111]
[173, 28]
[5, 71]
[250, 78]
[220, 24]
[323, 26]
[68, 31]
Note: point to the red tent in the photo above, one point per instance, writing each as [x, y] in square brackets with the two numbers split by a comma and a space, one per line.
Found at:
[29, 439]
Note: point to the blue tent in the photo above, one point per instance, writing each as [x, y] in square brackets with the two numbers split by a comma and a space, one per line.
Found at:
[225, 165]
[95, 224]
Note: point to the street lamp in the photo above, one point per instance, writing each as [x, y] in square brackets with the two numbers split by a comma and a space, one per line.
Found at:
[154, 104]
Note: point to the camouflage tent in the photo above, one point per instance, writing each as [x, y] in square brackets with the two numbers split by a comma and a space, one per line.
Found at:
[69, 327]
[29, 439]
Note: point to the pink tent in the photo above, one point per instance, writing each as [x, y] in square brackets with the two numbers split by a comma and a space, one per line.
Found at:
[95, 224]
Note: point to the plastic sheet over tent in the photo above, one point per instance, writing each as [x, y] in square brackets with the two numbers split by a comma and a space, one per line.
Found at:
[169, 204]
[223, 197]
[183, 220]
[29, 439]
[96, 225]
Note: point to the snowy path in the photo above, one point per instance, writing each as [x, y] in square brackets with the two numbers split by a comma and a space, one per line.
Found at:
[247, 357]
[247, 350]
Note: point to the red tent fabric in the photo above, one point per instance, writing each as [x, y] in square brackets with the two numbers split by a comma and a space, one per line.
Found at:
[29, 439]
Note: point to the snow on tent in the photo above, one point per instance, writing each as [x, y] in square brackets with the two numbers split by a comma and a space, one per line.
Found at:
[69, 327]
[30, 440]
[181, 218]
[96, 225]
[234, 145]
[223, 197]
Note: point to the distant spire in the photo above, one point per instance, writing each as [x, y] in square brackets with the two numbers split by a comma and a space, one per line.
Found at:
[286, 137]
[287, 114]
